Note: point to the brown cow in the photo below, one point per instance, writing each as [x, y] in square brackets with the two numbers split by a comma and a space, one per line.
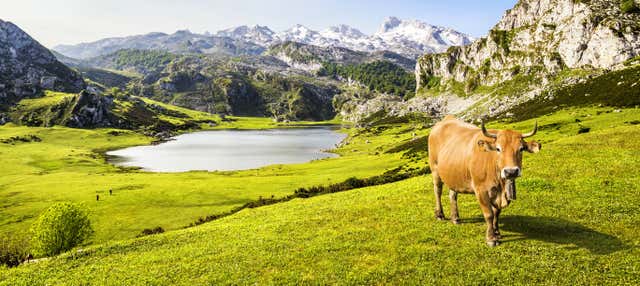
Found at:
[469, 159]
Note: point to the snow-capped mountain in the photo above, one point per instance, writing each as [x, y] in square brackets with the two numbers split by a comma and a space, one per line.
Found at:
[349, 37]
[410, 38]
[302, 34]
[343, 32]
[413, 36]
[260, 35]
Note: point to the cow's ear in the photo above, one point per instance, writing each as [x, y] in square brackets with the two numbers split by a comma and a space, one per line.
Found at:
[533, 147]
[488, 146]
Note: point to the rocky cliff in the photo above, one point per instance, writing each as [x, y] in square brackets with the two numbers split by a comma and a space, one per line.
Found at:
[542, 55]
[26, 67]
[533, 43]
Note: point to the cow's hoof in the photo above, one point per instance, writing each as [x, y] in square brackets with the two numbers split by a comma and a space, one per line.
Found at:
[439, 216]
[455, 221]
[498, 236]
[493, 243]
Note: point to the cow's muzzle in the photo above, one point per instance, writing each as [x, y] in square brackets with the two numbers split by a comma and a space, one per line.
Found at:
[510, 173]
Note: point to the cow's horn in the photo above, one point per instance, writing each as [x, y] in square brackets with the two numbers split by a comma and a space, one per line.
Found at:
[486, 133]
[535, 129]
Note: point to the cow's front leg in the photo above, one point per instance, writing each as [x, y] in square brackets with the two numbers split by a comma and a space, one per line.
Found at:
[496, 218]
[487, 212]
[437, 190]
[453, 197]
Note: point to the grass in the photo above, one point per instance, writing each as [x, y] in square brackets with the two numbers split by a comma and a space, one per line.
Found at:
[616, 88]
[67, 165]
[55, 108]
[46, 110]
[575, 222]
[236, 122]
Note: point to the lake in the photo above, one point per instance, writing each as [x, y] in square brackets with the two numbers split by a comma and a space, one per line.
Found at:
[226, 150]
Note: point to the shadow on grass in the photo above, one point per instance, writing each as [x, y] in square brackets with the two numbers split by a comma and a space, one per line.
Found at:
[561, 231]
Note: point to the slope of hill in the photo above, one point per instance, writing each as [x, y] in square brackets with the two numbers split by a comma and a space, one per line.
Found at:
[86, 110]
[571, 208]
[26, 67]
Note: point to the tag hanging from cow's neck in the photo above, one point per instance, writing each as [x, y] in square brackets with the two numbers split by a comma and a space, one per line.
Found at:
[510, 188]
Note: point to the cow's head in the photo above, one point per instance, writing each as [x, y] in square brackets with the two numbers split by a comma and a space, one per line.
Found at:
[509, 145]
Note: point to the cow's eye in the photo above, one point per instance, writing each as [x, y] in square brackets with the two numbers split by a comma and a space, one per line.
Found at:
[498, 149]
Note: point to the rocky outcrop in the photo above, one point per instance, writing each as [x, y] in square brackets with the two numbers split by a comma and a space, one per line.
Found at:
[26, 68]
[364, 108]
[539, 38]
[537, 44]
[83, 110]
[91, 110]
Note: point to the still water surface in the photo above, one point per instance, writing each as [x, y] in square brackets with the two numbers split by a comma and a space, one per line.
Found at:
[231, 150]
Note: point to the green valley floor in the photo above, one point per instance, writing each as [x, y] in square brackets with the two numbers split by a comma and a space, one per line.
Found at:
[575, 221]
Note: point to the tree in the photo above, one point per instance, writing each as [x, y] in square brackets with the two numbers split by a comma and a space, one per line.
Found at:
[60, 228]
[629, 6]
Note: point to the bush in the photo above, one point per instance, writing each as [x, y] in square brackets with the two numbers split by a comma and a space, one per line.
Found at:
[60, 228]
[13, 250]
[629, 6]
[150, 231]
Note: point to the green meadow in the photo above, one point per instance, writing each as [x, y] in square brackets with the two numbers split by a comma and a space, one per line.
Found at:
[69, 165]
[575, 221]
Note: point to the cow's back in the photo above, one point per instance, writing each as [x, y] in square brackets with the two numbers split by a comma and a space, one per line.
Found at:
[450, 149]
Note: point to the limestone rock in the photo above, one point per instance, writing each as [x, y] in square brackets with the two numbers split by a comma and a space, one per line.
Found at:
[536, 40]
[26, 67]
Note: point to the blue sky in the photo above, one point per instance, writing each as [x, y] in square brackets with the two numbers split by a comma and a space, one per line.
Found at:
[55, 22]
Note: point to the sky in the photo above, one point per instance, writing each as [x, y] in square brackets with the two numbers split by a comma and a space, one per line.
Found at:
[54, 22]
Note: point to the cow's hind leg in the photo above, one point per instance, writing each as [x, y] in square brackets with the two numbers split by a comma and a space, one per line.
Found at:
[437, 190]
[453, 197]
[496, 218]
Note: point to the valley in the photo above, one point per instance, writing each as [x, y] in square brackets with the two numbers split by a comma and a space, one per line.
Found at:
[76, 170]
[255, 156]
[570, 224]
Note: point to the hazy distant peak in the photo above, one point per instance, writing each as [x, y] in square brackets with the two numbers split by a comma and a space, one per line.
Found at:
[410, 38]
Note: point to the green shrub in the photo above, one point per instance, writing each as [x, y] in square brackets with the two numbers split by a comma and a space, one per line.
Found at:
[151, 231]
[629, 6]
[13, 250]
[60, 228]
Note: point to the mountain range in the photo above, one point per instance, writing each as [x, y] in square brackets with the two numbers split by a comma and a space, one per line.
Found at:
[538, 49]
[410, 38]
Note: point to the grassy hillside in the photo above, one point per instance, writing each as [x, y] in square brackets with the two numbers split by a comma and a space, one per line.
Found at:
[575, 222]
[65, 164]
[57, 108]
